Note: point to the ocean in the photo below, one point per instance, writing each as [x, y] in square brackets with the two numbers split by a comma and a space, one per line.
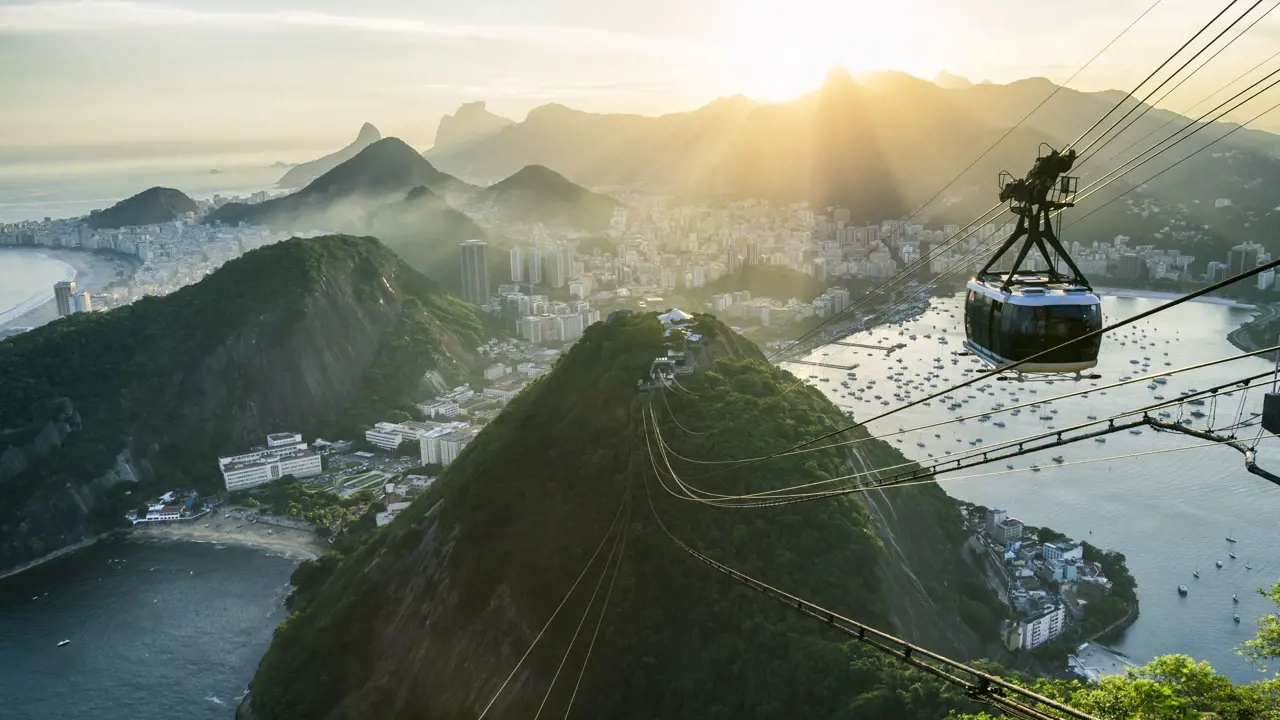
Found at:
[26, 280]
[1168, 513]
[64, 183]
[158, 630]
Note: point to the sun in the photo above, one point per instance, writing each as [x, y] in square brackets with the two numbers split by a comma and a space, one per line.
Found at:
[780, 49]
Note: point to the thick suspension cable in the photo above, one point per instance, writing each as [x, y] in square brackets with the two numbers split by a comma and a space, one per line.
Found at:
[997, 411]
[1146, 107]
[919, 469]
[1014, 365]
[979, 686]
[1129, 95]
[1188, 111]
[1215, 141]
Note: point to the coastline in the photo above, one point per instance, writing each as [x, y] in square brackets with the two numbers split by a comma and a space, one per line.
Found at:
[1159, 295]
[94, 273]
[214, 528]
[50, 556]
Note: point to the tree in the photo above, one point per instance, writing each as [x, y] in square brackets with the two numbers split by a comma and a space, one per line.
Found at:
[1266, 645]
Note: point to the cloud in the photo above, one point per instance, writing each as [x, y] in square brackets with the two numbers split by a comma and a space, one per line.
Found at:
[74, 16]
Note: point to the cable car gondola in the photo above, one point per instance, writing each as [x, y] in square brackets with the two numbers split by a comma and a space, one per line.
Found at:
[1014, 314]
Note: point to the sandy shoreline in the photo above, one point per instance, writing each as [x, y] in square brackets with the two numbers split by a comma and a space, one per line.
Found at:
[94, 273]
[299, 544]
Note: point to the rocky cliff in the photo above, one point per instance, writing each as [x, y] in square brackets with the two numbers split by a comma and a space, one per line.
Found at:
[318, 335]
[433, 617]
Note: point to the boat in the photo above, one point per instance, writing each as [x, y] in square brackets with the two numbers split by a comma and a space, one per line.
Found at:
[1230, 539]
[999, 423]
[1218, 563]
[1100, 439]
[1247, 566]
[1235, 598]
[1057, 459]
[1160, 380]
[1035, 468]
[1010, 467]
[1235, 617]
[1195, 574]
[1231, 555]
[63, 643]
[1182, 590]
[1135, 431]
[1093, 417]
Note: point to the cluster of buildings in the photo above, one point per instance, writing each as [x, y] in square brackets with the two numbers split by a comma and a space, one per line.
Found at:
[740, 305]
[438, 443]
[1049, 584]
[284, 454]
[173, 505]
[68, 300]
[165, 257]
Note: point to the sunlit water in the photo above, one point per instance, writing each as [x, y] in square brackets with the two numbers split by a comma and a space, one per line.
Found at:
[158, 631]
[26, 280]
[1168, 513]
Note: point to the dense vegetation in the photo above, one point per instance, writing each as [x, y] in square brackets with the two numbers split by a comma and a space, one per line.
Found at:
[1170, 687]
[149, 207]
[286, 497]
[150, 376]
[522, 510]
[771, 281]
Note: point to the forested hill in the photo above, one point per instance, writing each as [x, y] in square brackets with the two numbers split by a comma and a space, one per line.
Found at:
[318, 335]
[771, 281]
[149, 207]
[428, 618]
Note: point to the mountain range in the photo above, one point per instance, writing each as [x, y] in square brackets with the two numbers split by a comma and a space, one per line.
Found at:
[880, 144]
[470, 123]
[323, 335]
[299, 175]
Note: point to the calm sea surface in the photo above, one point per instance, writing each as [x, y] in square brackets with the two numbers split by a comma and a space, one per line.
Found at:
[158, 631]
[26, 280]
[1168, 513]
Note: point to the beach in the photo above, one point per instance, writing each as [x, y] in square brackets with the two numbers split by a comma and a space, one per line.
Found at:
[213, 527]
[94, 273]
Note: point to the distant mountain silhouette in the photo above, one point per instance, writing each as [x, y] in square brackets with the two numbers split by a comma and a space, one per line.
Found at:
[601, 150]
[951, 82]
[536, 194]
[425, 230]
[149, 207]
[301, 174]
[472, 122]
[340, 198]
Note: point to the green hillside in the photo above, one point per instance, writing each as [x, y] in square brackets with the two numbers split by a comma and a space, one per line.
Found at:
[149, 207]
[427, 619]
[771, 281]
[320, 336]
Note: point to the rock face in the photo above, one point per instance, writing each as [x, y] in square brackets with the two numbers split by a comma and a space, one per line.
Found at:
[301, 174]
[149, 207]
[313, 335]
[472, 122]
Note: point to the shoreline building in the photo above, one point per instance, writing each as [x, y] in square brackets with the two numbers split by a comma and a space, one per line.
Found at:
[285, 454]
[62, 293]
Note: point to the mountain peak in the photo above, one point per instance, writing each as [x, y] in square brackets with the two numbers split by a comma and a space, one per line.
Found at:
[368, 134]
[470, 123]
[951, 82]
[300, 175]
[152, 206]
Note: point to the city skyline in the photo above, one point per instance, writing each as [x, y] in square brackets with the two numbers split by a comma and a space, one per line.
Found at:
[200, 74]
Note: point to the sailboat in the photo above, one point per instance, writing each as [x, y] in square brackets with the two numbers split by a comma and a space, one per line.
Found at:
[1230, 537]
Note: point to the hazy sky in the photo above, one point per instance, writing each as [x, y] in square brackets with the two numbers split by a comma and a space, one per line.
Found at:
[99, 71]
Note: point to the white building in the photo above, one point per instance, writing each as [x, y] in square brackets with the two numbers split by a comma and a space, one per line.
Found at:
[1043, 627]
[393, 509]
[439, 408]
[1063, 550]
[285, 454]
[493, 372]
[452, 444]
[505, 391]
[388, 436]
